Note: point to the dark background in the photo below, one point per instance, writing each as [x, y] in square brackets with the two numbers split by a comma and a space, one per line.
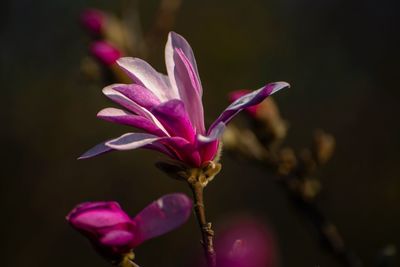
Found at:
[341, 58]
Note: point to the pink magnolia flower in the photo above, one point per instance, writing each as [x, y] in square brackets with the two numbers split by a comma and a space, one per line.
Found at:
[113, 233]
[93, 20]
[105, 52]
[169, 108]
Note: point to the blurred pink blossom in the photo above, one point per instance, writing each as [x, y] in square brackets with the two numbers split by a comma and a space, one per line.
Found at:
[105, 52]
[93, 20]
[246, 242]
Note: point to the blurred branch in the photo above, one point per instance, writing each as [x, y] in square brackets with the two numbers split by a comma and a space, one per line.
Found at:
[164, 21]
[125, 34]
[130, 17]
[259, 139]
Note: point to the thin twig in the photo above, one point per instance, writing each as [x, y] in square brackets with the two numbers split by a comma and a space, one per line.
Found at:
[205, 227]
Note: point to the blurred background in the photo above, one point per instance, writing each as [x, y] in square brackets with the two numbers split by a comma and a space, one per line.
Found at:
[341, 58]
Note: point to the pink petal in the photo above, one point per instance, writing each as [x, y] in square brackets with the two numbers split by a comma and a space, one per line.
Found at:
[173, 116]
[117, 238]
[233, 96]
[90, 216]
[131, 105]
[95, 151]
[142, 73]
[183, 149]
[130, 141]
[208, 151]
[177, 41]
[213, 135]
[123, 117]
[248, 100]
[139, 94]
[162, 216]
[162, 148]
[188, 86]
[174, 147]
[177, 146]
[208, 145]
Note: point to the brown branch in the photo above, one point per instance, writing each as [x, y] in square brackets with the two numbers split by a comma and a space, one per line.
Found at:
[196, 183]
[198, 179]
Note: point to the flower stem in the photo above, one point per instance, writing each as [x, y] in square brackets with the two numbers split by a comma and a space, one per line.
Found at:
[205, 227]
[128, 263]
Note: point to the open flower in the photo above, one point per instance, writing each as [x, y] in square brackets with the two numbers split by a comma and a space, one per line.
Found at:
[114, 234]
[169, 108]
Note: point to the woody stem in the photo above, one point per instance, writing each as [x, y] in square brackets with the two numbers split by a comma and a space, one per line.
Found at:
[205, 227]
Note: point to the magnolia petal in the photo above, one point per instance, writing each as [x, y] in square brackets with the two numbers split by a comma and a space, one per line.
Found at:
[144, 74]
[209, 151]
[89, 217]
[124, 101]
[93, 205]
[214, 134]
[123, 117]
[162, 216]
[131, 105]
[168, 83]
[183, 149]
[248, 100]
[117, 237]
[130, 141]
[95, 151]
[173, 116]
[161, 148]
[177, 41]
[208, 145]
[233, 96]
[188, 86]
[138, 94]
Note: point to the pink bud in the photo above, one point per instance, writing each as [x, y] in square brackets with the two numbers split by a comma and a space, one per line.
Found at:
[114, 233]
[106, 225]
[105, 52]
[93, 20]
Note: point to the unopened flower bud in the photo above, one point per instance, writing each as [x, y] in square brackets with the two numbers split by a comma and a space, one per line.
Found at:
[93, 20]
[115, 234]
[105, 52]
